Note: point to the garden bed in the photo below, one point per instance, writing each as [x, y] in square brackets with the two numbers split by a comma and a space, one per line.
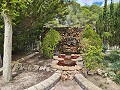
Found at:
[103, 83]
[26, 78]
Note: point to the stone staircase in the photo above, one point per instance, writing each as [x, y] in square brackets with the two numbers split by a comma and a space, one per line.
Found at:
[54, 83]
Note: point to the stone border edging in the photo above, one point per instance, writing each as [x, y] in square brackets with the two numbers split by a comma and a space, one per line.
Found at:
[48, 83]
[84, 83]
[28, 56]
[24, 58]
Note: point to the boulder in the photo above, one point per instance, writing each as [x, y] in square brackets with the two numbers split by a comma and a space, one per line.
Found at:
[99, 72]
[42, 68]
[20, 67]
[25, 66]
[14, 74]
[47, 69]
[30, 67]
[108, 80]
[35, 67]
[111, 74]
[15, 67]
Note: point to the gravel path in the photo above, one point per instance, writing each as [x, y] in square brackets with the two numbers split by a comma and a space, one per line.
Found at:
[67, 85]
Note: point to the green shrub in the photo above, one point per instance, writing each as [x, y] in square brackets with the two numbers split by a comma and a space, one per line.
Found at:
[114, 59]
[85, 43]
[92, 48]
[93, 57]
[114, 56]
[116, 66]
[117, 78]
[49, 43]
[93, 37]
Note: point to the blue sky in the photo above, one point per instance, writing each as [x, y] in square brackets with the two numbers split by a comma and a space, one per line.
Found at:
[90, 2]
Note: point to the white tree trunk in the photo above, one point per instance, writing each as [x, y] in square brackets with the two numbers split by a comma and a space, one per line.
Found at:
[7, 74]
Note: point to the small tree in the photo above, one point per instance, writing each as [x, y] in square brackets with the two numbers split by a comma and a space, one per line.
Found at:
[93, 57]
[9, 9]
[49, 43]
[92, 49]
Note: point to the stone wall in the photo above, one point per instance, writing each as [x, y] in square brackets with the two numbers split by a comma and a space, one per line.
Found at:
[70, 40]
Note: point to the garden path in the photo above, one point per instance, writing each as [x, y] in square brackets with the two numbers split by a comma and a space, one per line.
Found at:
[67, 85]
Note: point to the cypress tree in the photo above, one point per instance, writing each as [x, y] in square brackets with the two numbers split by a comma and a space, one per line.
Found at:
[117, 31]
[105, 10]
[104, 21]
[111, 21]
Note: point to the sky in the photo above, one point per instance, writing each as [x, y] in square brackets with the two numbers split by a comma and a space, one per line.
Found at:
[90, 2]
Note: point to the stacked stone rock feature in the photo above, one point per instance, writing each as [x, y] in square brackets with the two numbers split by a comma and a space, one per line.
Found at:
[70, 40]
[68, 75]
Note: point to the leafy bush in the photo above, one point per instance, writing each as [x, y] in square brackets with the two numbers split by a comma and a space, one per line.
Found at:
[93, 57]
[114, 59]
[92, 48]
[84, 44]
[116, 66]
[117, 78]
[114, 56]
[49, 43]
[93, 37]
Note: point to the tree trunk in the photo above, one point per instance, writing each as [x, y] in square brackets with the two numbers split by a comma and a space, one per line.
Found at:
[7, 74]
[0, 61]
[84, 66]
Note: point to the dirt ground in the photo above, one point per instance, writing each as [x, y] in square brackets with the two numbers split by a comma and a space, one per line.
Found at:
[28, 78]
[103, 83]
